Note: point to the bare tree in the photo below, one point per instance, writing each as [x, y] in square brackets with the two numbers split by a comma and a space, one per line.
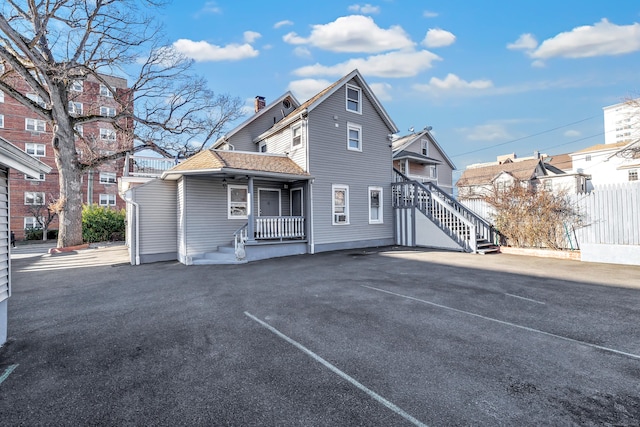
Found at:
[52, 44]
[44, 211]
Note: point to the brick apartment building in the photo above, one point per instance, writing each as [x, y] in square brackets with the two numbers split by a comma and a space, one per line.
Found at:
[33, 134]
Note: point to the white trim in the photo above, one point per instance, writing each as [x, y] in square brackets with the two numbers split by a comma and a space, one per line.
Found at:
[34, 148]
[33, 195]
[350, 127]
[294, 127]
[247, 203]
[359, 100]
[109, 178]
[380, 219]
[345, 214]
[37, 125]
[279, 199]
[108, 198]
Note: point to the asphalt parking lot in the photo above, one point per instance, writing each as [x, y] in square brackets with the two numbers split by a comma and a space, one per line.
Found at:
[376, 337]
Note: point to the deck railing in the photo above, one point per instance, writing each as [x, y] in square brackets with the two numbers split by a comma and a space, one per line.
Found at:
[143, 166]
[279, 227]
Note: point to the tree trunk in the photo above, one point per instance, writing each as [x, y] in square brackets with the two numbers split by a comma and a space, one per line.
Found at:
[69, 172]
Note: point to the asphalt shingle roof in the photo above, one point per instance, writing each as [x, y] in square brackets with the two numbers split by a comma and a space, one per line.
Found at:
[522, 171]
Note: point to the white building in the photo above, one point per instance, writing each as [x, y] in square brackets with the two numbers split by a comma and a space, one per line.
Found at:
[622, 122]
[607, 164]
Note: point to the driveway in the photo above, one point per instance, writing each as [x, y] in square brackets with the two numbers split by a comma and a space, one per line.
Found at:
[377, 337]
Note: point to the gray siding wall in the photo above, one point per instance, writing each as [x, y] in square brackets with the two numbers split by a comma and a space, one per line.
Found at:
[243, 140]
[331, 163]
[158, 217]
[5, 279]
[445, 173]
[280, 143]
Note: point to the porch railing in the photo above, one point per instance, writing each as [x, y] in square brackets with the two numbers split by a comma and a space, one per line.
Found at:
[279, 227]
[143, 166]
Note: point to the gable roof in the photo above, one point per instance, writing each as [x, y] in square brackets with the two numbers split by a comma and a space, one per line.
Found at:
[521, 171]
[224, 161]
[398, 145]
[254, 116]
[602, 147]
[321, 96]
[15, 158]
[560, 161]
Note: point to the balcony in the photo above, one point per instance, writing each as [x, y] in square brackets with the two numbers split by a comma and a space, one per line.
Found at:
[147, 167]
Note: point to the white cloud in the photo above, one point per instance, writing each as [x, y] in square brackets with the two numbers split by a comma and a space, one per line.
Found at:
[202, 51]
[364, 8]
[306, 88]
[393, 64]
[437, 37]
[486, 132]
[302, 52]
[429, 14]
[382, 91]
[572, 133]
[600, 39]
[354, 33]
[453, 84]
[524, 42]
[281, 24]
[211, 7]
[251, 36]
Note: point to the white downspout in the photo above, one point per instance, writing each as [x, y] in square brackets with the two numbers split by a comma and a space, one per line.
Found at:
[136, 248]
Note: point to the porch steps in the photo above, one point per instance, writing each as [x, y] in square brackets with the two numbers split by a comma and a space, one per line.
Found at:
[224, 255]
[485, 247]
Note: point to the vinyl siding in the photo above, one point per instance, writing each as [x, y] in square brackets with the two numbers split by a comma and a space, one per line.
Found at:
[280, 143]
[243, 140]
[158, 217]
[445, 172]
[331, 163]
[5, 283]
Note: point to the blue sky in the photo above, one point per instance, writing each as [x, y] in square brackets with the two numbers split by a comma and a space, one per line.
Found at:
[490, 77]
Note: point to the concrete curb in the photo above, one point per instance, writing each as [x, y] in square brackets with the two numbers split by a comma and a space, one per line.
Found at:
[68, 249]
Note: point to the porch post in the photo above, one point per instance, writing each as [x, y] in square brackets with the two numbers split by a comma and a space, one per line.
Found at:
[250, 221]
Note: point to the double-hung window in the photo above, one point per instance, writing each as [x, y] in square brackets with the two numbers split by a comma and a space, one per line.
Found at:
[107, 111]
[40, 177]
[35, 125]
[107, 199]
[1, 96]
[31, 222]
[375, 205]
[354, 137]
[296, 136]
[77, 85]
[107, 134]
[104, 91]
[340, 204]
[237, 201]
[354, 99]
[75, 108]
[37, 99]
[33, 198]
[37, 150]
[1, 120]
[107, 177]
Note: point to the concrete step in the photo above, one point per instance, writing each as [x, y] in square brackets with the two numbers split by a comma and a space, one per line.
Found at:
[217, 258]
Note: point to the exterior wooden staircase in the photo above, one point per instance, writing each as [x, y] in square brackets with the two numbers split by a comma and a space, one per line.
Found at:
[466, 229]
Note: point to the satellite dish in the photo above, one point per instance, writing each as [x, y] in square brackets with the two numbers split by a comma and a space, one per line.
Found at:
[411, 129]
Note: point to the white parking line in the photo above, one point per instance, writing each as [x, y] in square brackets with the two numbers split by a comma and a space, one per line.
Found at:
[524, 298]
[7, 372]
[526, 328]
[337, 371]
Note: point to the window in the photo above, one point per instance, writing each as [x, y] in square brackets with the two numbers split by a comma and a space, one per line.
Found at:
[35, 125]
[425, 147]
[340, 204]
[296, 136]
[1, 96]
[633, 174]
[263, 147]
[104, 91]
[75, 108]
[79, 130]
[107, 178]
[107, 199]
[587, 158]
[38, 178]
[31, 198]
[403, 167]
[548, 185]
[375, 205]
[31, 222]
[77, 85]
[238, 202]
[297, 203]
[433, 171]
[37, 150]
[354, 137]
[1, 120]
[354, 95]
[108, 111]
[107, 134]
[37, 99]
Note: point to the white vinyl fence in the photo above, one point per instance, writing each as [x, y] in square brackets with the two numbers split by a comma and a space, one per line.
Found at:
[610, 215]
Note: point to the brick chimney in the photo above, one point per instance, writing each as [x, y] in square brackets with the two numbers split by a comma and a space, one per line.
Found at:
[259, 103]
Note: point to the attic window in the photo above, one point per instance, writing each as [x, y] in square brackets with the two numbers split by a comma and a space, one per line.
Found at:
[286, 104]
[425, 147]
[354, 99]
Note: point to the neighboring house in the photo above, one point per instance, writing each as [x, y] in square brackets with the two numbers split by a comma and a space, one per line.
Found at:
[292, 179]
[419, 157]
[14, 159]
[607, 163]
[33, 135]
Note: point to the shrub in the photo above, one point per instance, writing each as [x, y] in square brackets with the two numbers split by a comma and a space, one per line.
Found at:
[101, 223]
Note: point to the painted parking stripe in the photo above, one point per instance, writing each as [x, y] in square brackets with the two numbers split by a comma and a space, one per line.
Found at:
[7, 372]
[337, 371]
[526, 328]
[525, 298]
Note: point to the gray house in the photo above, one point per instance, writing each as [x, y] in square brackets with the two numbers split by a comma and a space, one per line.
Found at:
[293, 178]
[419, 157]
[11, 157]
